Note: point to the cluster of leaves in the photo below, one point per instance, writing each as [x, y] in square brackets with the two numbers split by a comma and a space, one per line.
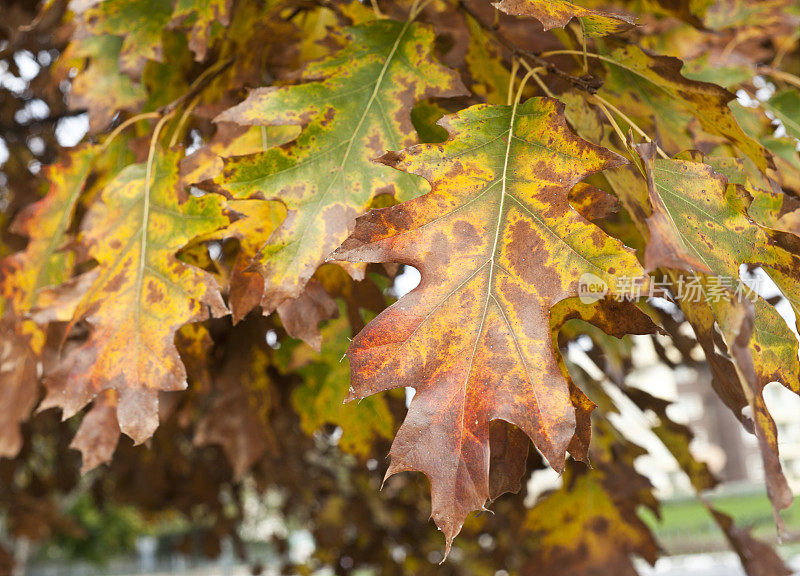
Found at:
[255, 171]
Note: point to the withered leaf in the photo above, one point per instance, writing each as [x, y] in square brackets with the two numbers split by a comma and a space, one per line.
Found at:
[20, 346]
[302, 315]
[558, 13]
[142, 294]
[758, 558]
[696, 206]
[498, 245]
[238, 418]
[98, 434]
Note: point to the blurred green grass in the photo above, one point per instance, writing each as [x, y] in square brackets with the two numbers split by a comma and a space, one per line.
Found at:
[687, 527]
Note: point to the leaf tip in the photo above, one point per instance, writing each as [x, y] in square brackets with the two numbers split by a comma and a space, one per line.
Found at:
[391, 159]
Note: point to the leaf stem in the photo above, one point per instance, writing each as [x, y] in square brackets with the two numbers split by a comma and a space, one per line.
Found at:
[417, 7]
[613, 122]
[583, 44]
[538, 80]
[780, 75]
[182, 121]
[522, 84]
[125, 124]
[630, 123]
[784, 49]
[146, 217]
[575, 53]
[377, 9]
[165, 111]
[512, 77]
[730, 47]
[200, 83]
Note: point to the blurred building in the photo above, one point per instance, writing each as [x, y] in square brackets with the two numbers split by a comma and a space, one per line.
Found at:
[720, 440]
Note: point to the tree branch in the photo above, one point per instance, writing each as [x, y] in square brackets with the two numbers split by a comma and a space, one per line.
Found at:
[587, 83]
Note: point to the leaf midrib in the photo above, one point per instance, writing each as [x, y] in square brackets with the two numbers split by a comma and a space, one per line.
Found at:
[489, 291]
[143, 246]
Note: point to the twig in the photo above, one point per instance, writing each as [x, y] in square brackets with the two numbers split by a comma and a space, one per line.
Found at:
[53, 119]
[417, 8]
[46, 19]
[312, 4]
[614, 124]
[586, 83]
[125, 124]
[583, 44]
[184, 117]
[200, 84]
[522, 84]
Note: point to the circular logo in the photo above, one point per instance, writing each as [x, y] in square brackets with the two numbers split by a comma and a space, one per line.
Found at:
[591, 288]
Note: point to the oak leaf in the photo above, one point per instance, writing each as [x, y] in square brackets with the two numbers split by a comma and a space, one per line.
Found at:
[98, 433]
[301, 316]
[676, 438]
[691, 11]
[242, 399]
[142, 293]
[24, 276]
[737, 324]
[229, 140]
[758, 558]
[591, 525]
[20, 348]
[632, 191]
[202, 16]
[709, 216]
[497, 245]
[354, 107]
[99, 86]
[488, 75]
[648, 87]
[696, 205]
[582, 532]
[558, 13]
[45, 261]
[785, 106]
[709, 220]
[140, 24]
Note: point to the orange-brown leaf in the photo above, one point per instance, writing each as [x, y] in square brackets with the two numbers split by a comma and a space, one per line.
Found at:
[498, 245]
[141, 296]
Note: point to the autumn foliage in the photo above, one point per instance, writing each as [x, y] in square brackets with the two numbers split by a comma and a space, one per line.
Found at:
[191, 292]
